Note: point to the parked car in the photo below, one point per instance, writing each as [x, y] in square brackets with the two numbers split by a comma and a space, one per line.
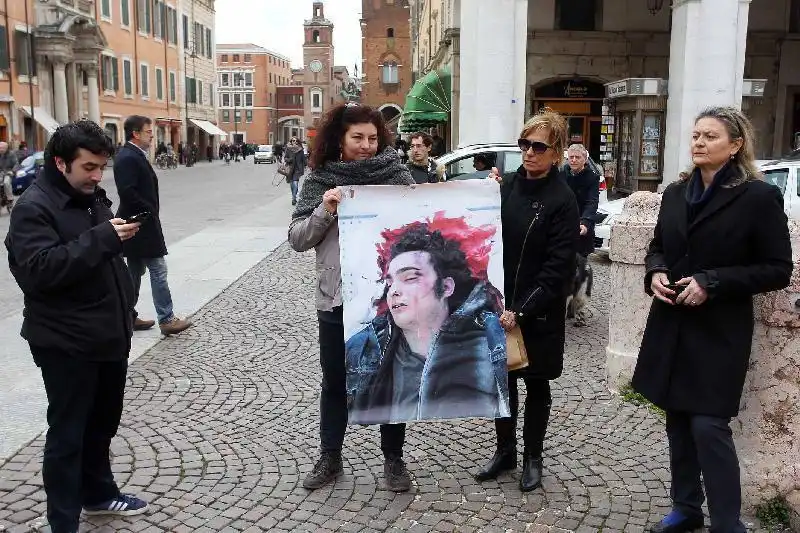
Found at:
[263, 154]
[26, 172]
[784, 174]
[507, 158]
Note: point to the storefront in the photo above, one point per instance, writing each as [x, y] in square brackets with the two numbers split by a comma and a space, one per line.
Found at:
[632, 131]
[581, 102]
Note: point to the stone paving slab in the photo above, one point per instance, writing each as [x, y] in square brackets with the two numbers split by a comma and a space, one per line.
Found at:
[220, 427]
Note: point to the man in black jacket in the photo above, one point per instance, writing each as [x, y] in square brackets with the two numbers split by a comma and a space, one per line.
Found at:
[585, 185]
[423, 168]
[64, 251]
[137, 185]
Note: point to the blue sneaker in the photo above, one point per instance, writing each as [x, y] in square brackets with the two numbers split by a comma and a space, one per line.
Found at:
[678, 522]
[122, 505]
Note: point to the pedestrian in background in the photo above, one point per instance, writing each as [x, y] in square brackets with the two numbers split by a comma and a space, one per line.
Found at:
[721, 237]
[64, 250]
[540, 244]
[295, 157]
[422, 166]
[137, 186]
[585, 185]
[352, 147]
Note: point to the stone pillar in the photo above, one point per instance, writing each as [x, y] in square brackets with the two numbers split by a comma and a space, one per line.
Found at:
[73, 90]
[492, 106]
[767, 431]
[93, 92]
[60, 93]
[629, 305]
[700, 80]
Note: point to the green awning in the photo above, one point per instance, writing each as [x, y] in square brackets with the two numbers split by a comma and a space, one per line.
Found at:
[428, 102]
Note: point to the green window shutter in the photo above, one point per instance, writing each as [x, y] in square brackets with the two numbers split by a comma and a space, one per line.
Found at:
[4, 62]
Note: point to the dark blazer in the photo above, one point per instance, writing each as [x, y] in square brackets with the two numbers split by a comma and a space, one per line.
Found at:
[586, 187]
[137, 186]
[694, 359]
[540, 241]
[65, 256]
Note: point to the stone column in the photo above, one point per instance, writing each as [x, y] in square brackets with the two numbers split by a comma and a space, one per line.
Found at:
[72, 72]
[700, 80]
[767, 430]
[93, 92]
[629, 305]
[60, 93]
[492, 106]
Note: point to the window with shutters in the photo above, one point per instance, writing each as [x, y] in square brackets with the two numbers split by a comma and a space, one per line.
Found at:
[144, 81]
[5, 64]
[235, 58]
[226, 79]
[248, 79]
[172, 95]
[22, 54]
[127, 76]
[237, 116]
[199, 88]
[248, 100]
[226, 100]
[237, 100]
[224, 58]
[108, 73]
[390, 73]
[185, 32]
[159, 83]
[248, 115]
[173, 25]
[209, 53]
[125, 13]
[157, 19]
[105, 9]
[226, 115]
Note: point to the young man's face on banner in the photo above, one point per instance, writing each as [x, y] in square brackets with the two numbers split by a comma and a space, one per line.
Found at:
[416, 296]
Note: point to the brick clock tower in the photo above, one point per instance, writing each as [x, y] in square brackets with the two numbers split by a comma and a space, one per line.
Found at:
[318, 82]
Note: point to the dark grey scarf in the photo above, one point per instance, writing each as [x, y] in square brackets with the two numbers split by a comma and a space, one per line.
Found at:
[383, 169]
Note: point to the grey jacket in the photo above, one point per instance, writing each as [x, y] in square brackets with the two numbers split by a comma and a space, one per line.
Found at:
[320, 230]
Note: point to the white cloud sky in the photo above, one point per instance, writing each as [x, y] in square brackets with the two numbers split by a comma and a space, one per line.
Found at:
[278, 26]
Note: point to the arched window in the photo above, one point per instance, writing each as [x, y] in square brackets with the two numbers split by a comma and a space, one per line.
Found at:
[389, 73]
[316, 99]
[390, 33]
[315, 36]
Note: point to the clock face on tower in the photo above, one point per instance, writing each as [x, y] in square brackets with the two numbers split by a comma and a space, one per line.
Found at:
[315, 65]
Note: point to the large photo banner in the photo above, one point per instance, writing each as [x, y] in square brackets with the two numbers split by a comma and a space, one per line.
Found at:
[422, 284]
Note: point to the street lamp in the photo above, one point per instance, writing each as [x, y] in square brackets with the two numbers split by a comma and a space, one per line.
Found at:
[237, 81]
[654, 6]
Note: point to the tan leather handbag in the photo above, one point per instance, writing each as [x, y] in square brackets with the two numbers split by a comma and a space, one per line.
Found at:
[516, 353]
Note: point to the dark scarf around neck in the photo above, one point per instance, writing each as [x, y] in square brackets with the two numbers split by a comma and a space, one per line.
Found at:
[383, 169]
[697, 195]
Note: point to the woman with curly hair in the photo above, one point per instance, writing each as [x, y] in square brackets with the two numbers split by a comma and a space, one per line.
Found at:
[353, 147]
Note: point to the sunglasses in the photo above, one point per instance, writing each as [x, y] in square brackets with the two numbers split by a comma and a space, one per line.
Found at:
[537, 146]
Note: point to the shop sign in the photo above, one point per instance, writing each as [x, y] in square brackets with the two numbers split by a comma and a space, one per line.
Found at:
[574, 88]
[617, 89]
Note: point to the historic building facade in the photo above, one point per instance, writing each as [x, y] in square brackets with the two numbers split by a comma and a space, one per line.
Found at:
[568, 54]
[106, 60]
[386, 55]
[249, 78]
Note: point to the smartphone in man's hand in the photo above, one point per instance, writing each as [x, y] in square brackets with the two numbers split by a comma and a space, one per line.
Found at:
[141, 217]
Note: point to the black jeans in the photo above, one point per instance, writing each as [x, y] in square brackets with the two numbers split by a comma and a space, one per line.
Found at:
[537, 414]
[83, 413]
[333, 400]
[703, 444]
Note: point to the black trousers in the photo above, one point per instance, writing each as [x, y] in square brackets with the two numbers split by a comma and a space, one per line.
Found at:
[537, 414]
[83, 413]
[704, 444]
[333, 400]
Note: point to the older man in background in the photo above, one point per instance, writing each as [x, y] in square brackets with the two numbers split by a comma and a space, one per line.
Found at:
[585, 184]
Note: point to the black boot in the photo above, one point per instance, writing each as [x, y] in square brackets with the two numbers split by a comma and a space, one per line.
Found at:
[328, 468]
[504, 459]
[531, 473]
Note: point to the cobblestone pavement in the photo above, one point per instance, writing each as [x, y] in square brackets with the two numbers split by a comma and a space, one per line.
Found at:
[220, 427]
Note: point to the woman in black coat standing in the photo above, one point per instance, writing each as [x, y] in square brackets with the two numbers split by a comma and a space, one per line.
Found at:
[721, 237]
[540, 242]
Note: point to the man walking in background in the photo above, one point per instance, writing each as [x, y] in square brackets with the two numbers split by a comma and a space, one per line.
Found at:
[137, 186]
[423, 168]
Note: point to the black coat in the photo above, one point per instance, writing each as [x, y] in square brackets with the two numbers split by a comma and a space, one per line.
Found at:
[540, 216]
[137, 186]
[694, 359]
[65, 256]
[586, 187]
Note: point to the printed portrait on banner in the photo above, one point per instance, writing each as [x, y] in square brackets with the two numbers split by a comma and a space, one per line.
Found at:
[422, 278]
